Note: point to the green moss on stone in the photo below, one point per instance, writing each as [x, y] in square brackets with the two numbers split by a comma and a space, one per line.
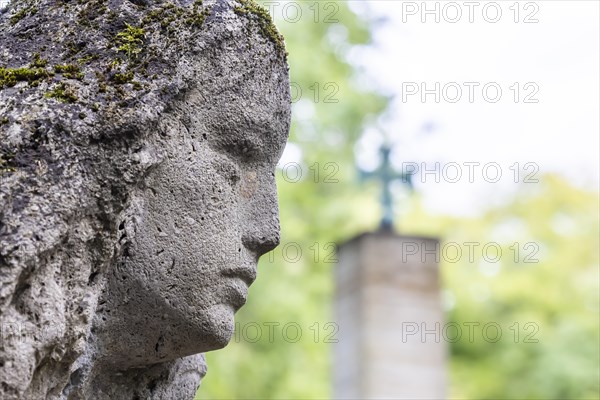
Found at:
[38, 61]
[72, 49]
[6, 161]
[63, 94]
[123, 78]
[198, 17]
[169, 14]
[10, 76]
[131, 40]
[92, 10]
[69, 71]
[114, 64]
[24, 12]
[265, 23]
[87, 59]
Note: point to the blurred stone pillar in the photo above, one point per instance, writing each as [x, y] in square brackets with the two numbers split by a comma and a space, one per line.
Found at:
[388, 309]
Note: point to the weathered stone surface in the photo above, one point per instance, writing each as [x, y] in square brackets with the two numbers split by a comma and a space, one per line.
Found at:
[138, 141]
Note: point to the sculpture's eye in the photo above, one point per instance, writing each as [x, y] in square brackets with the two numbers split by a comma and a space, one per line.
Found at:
[243, 149]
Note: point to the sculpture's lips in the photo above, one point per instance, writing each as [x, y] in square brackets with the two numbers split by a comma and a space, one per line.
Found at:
[248, 275]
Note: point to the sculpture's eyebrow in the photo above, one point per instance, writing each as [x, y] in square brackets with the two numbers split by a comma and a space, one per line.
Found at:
[246, 129]
[246, 143]
[269, 132]
[262, 125]
[251, 145]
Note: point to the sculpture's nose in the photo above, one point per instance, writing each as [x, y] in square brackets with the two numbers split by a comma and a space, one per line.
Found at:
[261, 243]
[261, 230]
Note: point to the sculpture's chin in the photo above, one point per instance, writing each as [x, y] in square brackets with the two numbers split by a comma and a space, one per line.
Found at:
[166, 335]
[220, 326]
[211, 330]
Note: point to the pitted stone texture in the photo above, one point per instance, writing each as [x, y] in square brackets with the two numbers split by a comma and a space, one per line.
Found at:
[133, 207]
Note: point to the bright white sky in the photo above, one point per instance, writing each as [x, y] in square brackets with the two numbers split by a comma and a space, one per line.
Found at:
[559, 54]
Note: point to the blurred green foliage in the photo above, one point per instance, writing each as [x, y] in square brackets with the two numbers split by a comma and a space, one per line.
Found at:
[324, 206]
[547, 281]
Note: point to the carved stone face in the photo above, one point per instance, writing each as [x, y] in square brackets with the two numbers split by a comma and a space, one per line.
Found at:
[200, 221]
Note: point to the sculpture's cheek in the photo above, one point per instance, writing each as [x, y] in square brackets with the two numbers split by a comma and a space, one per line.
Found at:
[249, 185]
[201, 222]
[194, 216]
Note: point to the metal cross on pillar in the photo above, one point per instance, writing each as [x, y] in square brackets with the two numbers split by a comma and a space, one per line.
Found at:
[394, 289]
[387, 175]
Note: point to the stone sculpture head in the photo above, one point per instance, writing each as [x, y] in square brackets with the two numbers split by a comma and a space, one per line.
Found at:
[200, 218]
[134, 223]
